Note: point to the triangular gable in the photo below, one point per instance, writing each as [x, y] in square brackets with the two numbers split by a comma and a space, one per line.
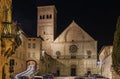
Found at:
[73, 33]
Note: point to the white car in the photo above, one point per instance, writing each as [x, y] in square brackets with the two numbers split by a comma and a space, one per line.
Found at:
[38, 77]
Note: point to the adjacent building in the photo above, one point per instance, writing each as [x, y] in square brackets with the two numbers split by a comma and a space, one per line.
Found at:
[105, 57]
[18, 59]
[34, 49]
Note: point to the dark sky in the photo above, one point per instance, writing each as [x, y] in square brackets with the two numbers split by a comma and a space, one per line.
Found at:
[98, 18]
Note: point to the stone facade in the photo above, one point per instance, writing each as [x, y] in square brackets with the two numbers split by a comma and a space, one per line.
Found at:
[106, 61]
[74, 49]
[105, 57]
[9, 35]
[19, 57]
[34, 47]
[46, 25]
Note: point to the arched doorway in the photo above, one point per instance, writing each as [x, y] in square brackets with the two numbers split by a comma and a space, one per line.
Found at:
[73, 70]
[31, 62]
[58, 72]
[88, 71]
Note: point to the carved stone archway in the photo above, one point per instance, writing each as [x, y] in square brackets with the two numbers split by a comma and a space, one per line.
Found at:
[31, 62]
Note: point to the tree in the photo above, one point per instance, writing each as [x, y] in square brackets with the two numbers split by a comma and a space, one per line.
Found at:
[116, 48]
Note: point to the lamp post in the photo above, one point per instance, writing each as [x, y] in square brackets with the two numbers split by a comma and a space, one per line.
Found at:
[42, 61]
[99, 63]
[43, 53]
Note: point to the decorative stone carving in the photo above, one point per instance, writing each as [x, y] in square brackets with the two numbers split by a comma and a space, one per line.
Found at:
[73, 48]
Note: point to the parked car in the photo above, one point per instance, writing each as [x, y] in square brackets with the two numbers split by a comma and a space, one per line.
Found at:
[79, 78]
[48, 76]
[38, 77]
[23, 77]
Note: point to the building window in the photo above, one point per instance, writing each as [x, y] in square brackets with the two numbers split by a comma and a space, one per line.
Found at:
[28, 54]
[43, 32]
[89, 53]
[73, 57]
[73, 70]
[33, 54]
[58, 71]
[29, 45]
[47, 17]
[12, 62]
[34, 39]
[33, 45]
[50, 16]
[40, 17]
[72, 40]
[29, 39]
[57, 57]
[58, 54]
[73, 48]
[43, 16]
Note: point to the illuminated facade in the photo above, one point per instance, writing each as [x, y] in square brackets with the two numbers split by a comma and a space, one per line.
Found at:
[26, 54]
[34, 47]
[106, 61]
[74, 49]
[105, 57]
[46, 25]
[9, 38]
[5, 9]
[18, 59]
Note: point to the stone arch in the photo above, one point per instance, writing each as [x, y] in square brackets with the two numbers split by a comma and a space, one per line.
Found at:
[58, 71]
[66, 34]
[31, 62]
[77, 36]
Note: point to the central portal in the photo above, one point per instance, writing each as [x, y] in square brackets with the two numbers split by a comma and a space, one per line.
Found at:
[73, 70]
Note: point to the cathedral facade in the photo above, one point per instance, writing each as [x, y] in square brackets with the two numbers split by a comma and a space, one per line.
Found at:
[74, 49]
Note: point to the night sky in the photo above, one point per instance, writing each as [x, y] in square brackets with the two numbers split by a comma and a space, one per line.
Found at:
[98, 18]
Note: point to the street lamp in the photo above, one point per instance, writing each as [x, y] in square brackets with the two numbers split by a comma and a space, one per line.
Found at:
[99, 63]
[43, 53]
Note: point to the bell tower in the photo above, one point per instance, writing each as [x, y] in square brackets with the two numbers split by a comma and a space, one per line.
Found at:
[46, 22]
[46, 25]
